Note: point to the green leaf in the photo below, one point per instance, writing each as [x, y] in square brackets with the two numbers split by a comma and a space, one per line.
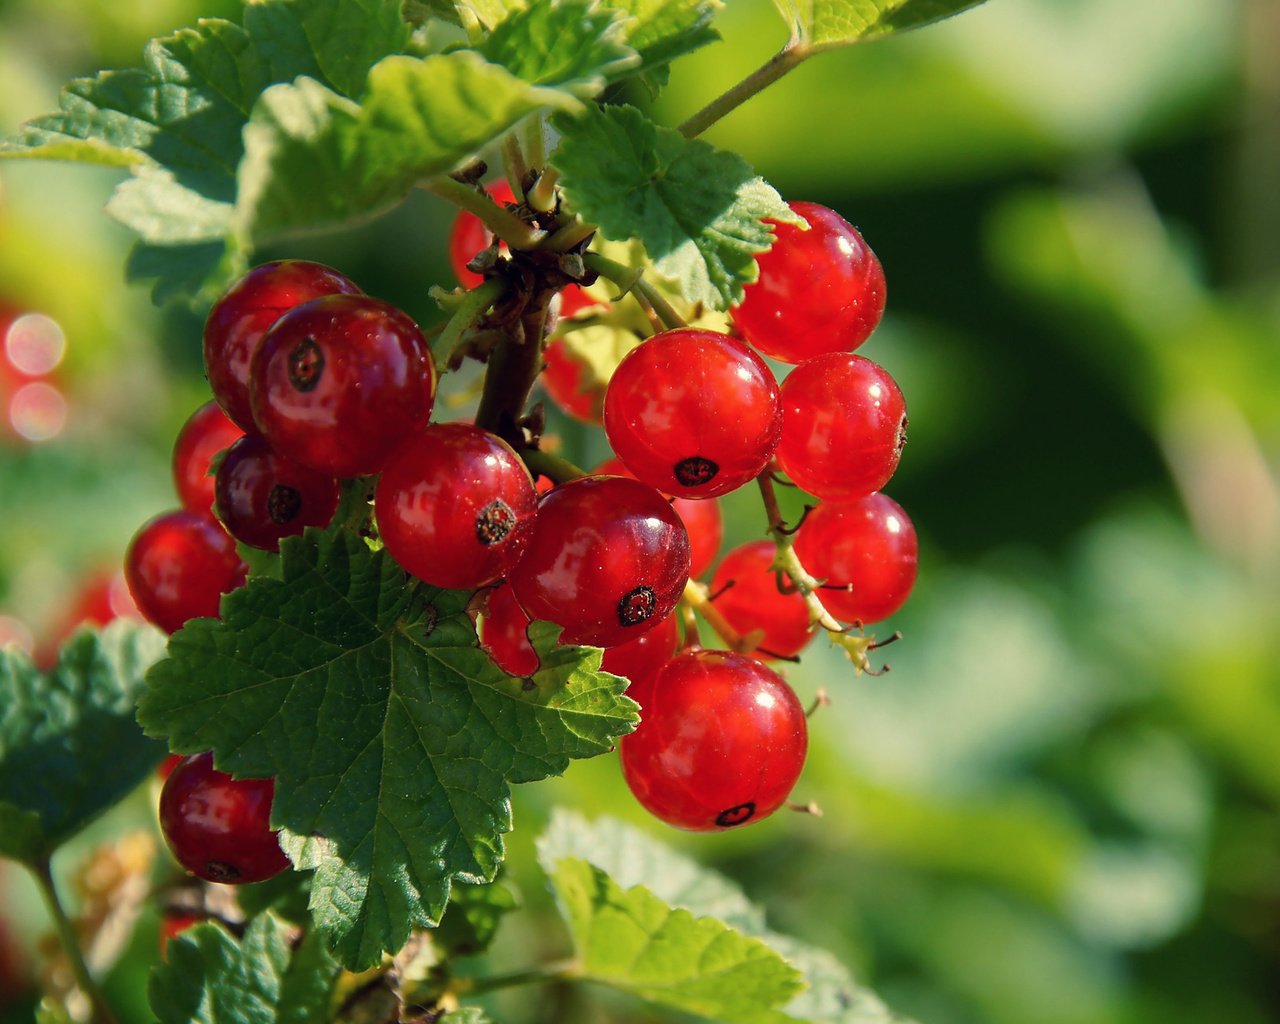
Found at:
[199, 271]
[572, 44]
[473, 917]
[178, 121]
[824, 24]
[392, 737]
[697, 210]
[489, 13]
[631, 859]
[208, 977]
[419, 118]
[69, 745]
[466, 1015]
[286, 895]
[666, 29]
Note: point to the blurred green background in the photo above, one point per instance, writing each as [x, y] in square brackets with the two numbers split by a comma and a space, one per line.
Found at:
[1061, 804]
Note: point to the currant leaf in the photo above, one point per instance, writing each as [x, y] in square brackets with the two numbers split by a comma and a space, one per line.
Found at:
[209, 976]
[69, 745]
[473, 917]
[697, 210]
[631, 861]
[663, 30]
[825, 24]
[418, 118]
[177, 121]
[466, 1015]
[489, 13]
[392, 737]
[575, 45]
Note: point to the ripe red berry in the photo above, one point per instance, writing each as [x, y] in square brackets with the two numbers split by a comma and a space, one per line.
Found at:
[753, 601]
[820, 290]
[503, 631]
[239, 319]
[455, 506]
[608, 559]
[206, 433]
[263, 497]
[469, 236]
[165, 768]
[721, 741]
[340, 381]
[844, 425]
[217, 827]
[868, 546]
[174, 923]
[563, 380]
[693, 413]
[179, 565]
[701, 518]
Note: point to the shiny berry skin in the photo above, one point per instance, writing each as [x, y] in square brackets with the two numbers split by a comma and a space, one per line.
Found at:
[217, 827]
[503, 631]
[239, 319]
[562, 378]
[262, 497]
[206, 433]
[608, 559]
[702, 519]
[339, 382]
[721, 742]
[693, 413]
[455, 506]
[844, 425]
[820, 290]
[868, 545]
[755, 602]
[179, 565]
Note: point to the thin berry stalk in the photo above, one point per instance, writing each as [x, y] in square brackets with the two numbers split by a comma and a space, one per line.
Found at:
[101, 1013]
[498, 219]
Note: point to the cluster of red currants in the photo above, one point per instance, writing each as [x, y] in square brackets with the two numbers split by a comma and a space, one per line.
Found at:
[316, 382]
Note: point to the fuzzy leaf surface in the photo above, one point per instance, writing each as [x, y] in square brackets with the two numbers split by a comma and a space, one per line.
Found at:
[418, 118]
[392, 736]
[69, 745]
[825, 24]
[177, 121]
[663, 30]
[207, 977]
[574, 44]
[697, 210]
[630, 858]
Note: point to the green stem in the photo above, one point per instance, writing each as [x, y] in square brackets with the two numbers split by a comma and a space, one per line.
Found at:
[790, 56]
[629, 279]
[542, 197]
[498, 219]
[71, 945]
[570, 234]
[554, 467]
[476, 303]
[535, 142]
[514, 163]
[565, 970]
[513, 367]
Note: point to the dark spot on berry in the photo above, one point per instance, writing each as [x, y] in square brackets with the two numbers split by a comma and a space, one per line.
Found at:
[306, 364]
[528, 685]
[738, 815]
[221, 871]
[494, 522]
[695, 471]
[283, 504]
[637, 606]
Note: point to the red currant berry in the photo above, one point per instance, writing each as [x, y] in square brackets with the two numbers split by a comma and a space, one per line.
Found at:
[179, 565]
[173, 924]
[455, 506]
[693, 413]
[721, 742]
[748, 597]
[504, 633]
[263, 497]
[701, 518]
[165, 768]
[867, 546]
[239, 319]
[562, 378]
[608, 559]
[820, 290]
[217, 827]
[206, 433]
[469, 236]
[340, 381]
[844, 424]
